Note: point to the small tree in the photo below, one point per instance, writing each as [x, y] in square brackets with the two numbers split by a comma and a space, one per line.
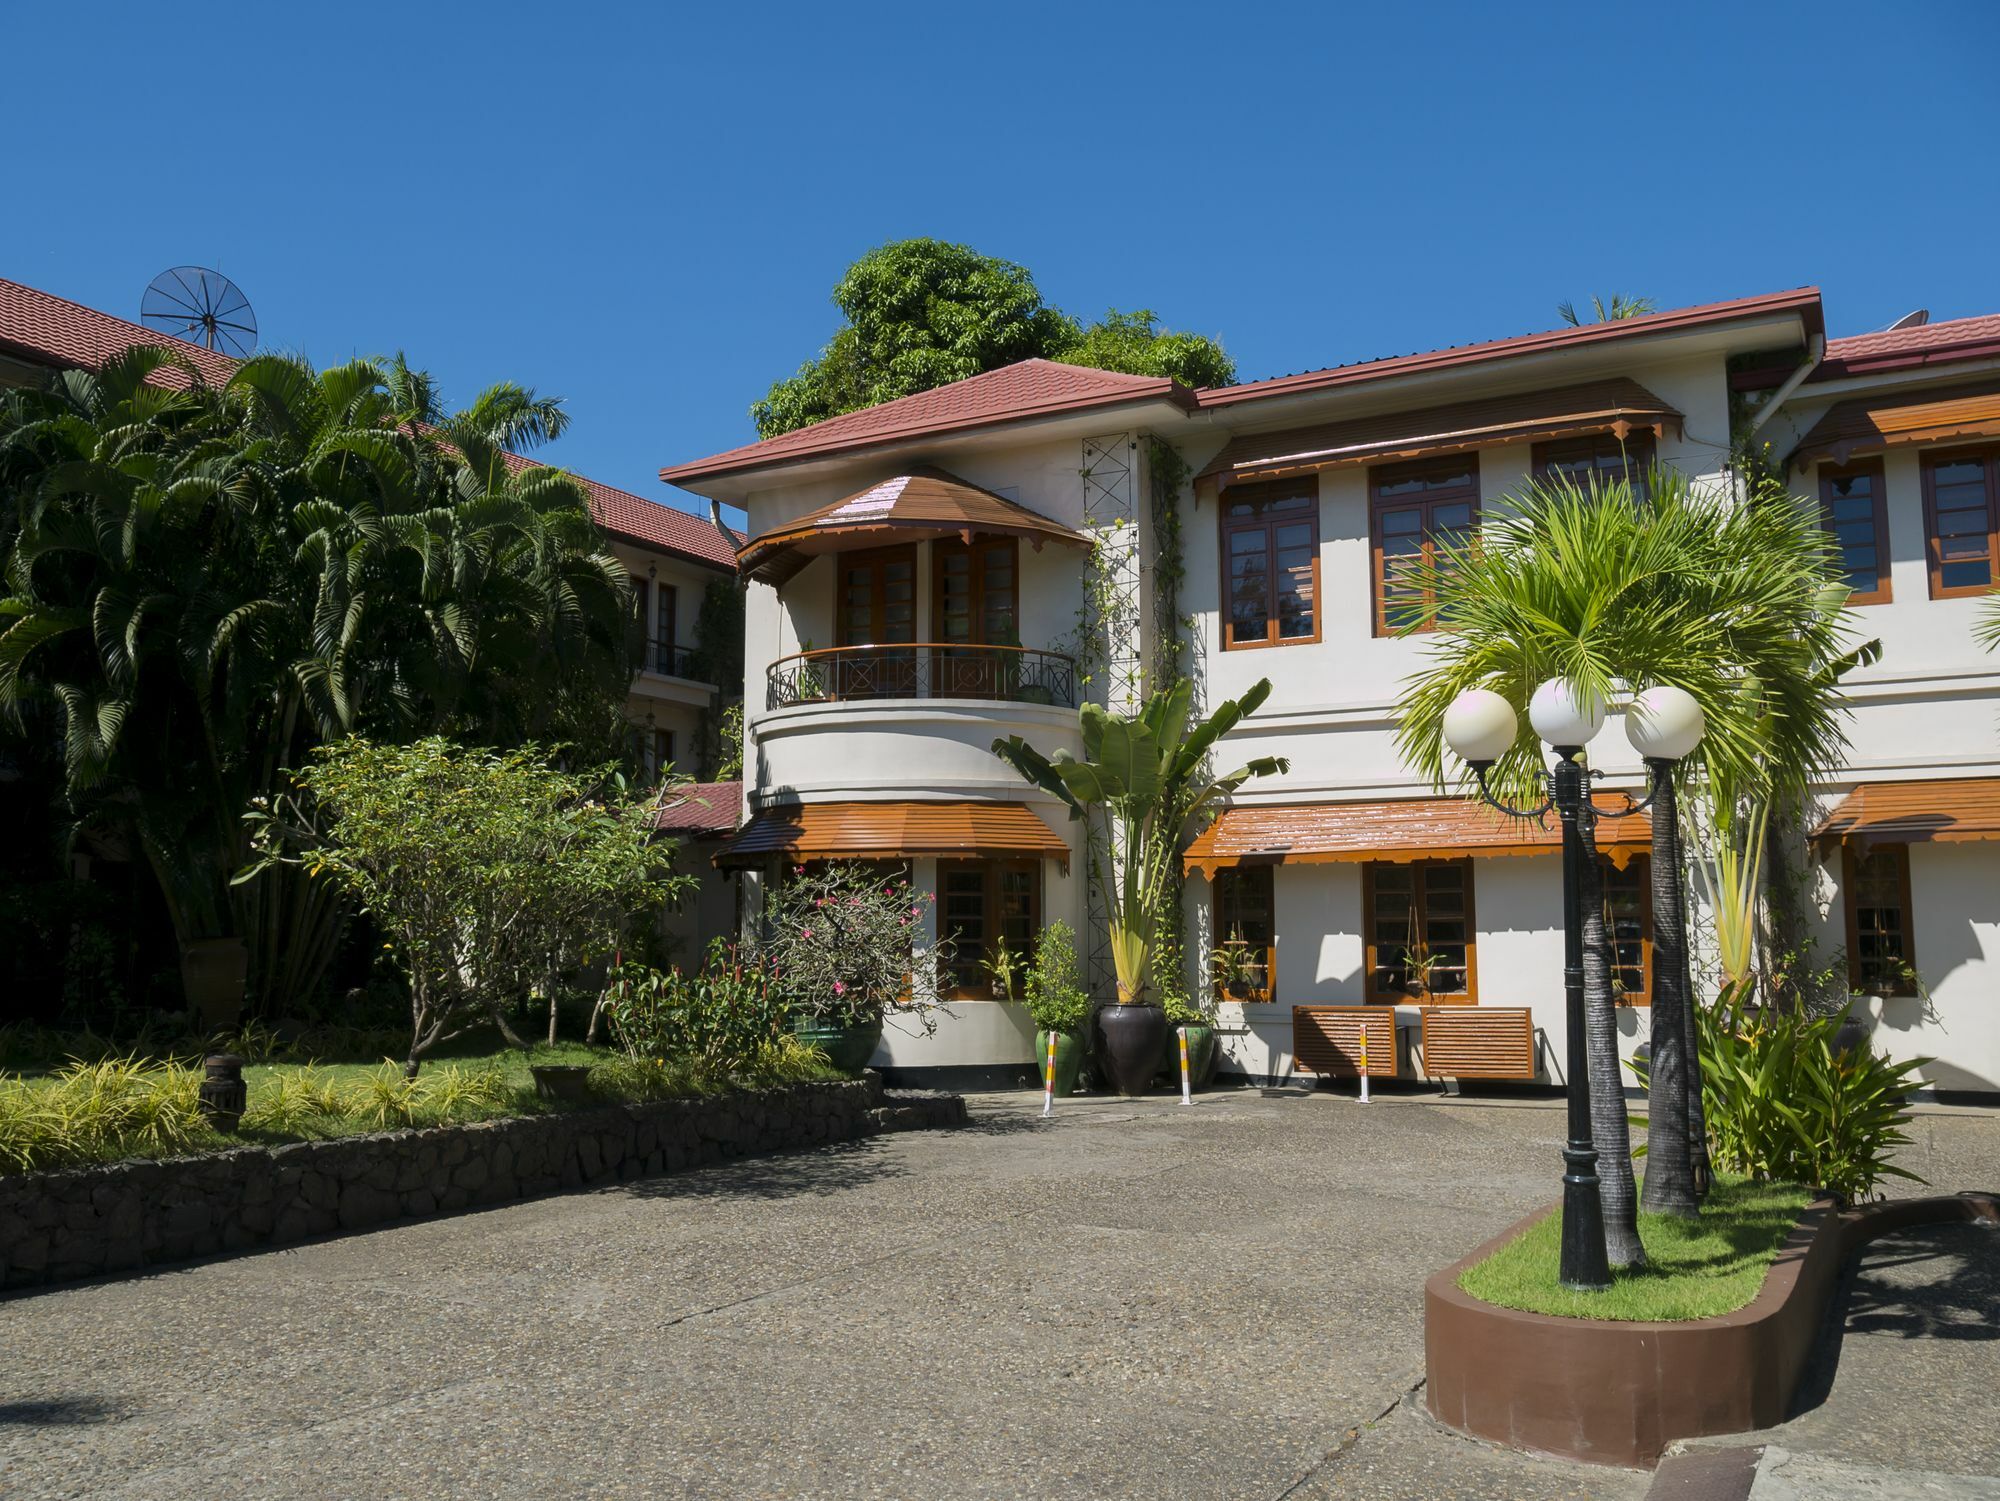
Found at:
[1057, 1001]
[846, 946]
[489, 873]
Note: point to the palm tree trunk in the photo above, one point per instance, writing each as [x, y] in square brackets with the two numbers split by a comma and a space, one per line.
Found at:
[1617, 1189]
[1669, 1185]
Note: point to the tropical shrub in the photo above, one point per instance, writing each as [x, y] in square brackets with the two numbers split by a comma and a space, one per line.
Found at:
[490, 873]
[1783, 1105]
[89, 1111]
[722, 1022]
[845, 944]
[1057, 1000]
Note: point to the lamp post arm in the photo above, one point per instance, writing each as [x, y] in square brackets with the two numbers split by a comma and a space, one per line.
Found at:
[1548, 803]
[1659, 773]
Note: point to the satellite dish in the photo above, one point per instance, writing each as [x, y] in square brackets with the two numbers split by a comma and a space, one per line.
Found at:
[1911, 320]
[202, 306]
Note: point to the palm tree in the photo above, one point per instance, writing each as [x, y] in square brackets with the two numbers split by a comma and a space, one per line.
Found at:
[206, 582]
[1620, 308]
[1147, 772]
[1740, 605]
[1987, 630]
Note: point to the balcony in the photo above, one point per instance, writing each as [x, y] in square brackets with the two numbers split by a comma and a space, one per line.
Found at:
[671, 660]
[924, 669]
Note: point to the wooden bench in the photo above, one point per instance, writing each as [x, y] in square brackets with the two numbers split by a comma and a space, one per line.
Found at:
[1326, 1040]
[1478, 1042]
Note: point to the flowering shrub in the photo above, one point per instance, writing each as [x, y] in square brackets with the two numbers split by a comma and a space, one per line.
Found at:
[722, 1022]
[846, 946]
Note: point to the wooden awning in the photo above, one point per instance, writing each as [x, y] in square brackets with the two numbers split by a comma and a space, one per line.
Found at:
[1619, 407]
[1428, 828]
[921, 505]
[1943, 812]
[893, 831]
[1879, 423]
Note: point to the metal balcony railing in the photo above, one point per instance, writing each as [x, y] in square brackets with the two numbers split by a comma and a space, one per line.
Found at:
[674, 661]
[922, 669]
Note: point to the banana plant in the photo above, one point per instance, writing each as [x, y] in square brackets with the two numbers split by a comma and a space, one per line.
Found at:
[1147, 772]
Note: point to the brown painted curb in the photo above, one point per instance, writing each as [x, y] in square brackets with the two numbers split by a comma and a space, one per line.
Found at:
[1616, 1393]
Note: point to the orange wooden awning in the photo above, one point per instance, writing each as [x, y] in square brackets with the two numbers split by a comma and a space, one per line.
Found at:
[1946, 811]
[893, 831]
[1428, 828]
[924, 504]
[1619, 407]
[1879, 423]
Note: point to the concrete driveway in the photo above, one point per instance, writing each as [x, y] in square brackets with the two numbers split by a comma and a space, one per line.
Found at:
[1137, 1300]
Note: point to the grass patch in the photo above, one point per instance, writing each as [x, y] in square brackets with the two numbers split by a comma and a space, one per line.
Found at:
[1696, 1268]
[112, 1109]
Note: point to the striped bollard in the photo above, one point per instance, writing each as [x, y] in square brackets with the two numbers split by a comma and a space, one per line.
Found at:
[1184, 1067]
[1364, 1063]
[1049, 1077]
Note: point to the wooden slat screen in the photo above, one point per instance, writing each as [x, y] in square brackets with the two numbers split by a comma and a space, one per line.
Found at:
[1478, 1042]
[883, 831]
[1945, 811]
[1400, 829]
[1326, 1040]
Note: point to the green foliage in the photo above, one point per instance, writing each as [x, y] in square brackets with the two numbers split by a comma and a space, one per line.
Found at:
[717, 657]
[489, 873]
[922, 313]
[1620, 308]
[1986, 630]
[719, 1023]
[1136, 344]
[1783, 1106]
[845, 945]
[729, 746]
[1057, 1000]
[111, 1108]
[1148, 773]
[1695, 1268]
[203, 582]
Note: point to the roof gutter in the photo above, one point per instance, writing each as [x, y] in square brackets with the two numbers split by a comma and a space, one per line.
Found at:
[1815, 353]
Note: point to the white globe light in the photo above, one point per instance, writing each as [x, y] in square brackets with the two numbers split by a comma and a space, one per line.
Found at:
[1480, 725]
[1664, 723]
[1564, 717]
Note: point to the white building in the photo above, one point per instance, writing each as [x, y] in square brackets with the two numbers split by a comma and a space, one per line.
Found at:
[917, 573]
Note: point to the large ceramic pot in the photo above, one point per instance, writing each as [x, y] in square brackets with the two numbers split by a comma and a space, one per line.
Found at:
[1203, 1050]
[1069, 1060]
[847, 1048]
[213, 971]
[1852, 1033]
[1130, 1042]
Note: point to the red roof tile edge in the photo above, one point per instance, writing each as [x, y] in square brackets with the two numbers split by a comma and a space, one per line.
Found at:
[840, 437]
[702, 809]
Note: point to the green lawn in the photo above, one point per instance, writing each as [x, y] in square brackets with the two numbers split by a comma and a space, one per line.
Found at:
[1696, 1268]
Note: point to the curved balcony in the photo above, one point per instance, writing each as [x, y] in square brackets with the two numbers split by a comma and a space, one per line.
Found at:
[922, 669]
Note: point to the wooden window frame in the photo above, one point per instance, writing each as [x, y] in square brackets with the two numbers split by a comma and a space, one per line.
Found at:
[1643, 864]
[1226, 528]
[1989, 459]
[990, 871]
[1377, 504]
[1850, 853]
[1219, 930]
[1369, 963]
[975, 550]
[1831, 474]
[666, 622]
[905, 552]
[1640, 451]
[665, 751]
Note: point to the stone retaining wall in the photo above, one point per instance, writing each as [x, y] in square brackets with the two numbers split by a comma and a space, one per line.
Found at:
[86, 1221]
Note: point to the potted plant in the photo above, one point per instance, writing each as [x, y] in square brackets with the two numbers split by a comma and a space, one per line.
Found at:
[1184, 1012]
[1147, 773]
[1057, 1003]
[846, 950]
[1418, 965]
[1236, 974]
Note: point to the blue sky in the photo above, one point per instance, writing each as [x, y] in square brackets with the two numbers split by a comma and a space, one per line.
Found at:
[643, 208]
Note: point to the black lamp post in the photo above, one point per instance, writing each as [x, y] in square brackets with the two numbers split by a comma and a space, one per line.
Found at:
[1481, 727]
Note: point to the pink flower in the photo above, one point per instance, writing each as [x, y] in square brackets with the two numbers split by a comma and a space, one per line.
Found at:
[838, 988]
[805, 932]
[913, 911]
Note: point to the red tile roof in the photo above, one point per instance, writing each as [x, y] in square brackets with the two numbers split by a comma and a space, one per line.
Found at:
[702, 809]
[1028, 388]
[1804, 301]
[44, 329]
[1039, 388]
[647, 523]
[1954, 340]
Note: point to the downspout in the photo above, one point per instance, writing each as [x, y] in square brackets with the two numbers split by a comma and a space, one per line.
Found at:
[1815, 353]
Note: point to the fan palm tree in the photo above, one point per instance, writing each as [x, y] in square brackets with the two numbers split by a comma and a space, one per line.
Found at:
[1147, 772]
[1987, 629]
[1740, 605]
[1620, 308]
[208, 581]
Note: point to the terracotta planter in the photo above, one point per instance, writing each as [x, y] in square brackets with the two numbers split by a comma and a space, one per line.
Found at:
[1069, 1060]
[1130, 1042]
[213, 972]
[847, 1048]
